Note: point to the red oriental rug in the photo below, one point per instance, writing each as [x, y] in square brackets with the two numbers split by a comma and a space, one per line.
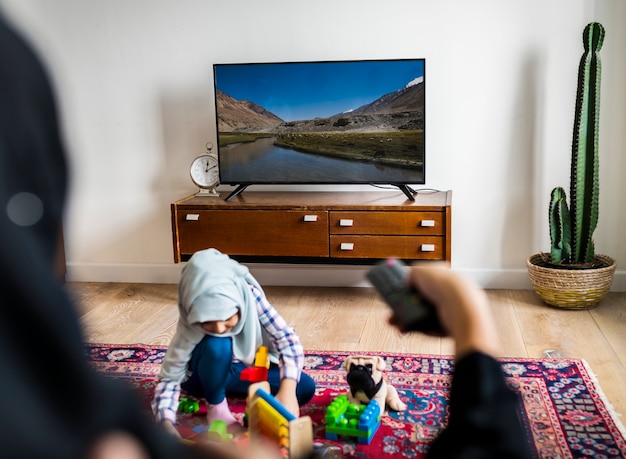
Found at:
[565, 412]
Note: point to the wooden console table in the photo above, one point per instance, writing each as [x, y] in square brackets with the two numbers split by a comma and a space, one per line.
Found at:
[316, 227]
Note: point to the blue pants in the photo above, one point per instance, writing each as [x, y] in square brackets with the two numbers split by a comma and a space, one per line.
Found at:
[214, 374]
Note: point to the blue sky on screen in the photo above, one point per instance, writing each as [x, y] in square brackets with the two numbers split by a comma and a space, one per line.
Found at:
[307, 90]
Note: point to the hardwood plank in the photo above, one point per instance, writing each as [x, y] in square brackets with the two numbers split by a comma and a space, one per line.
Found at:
[87, 295]
[118, 318]
[503, 308]
[379, 336]
[329, 316]
[610, 315]
[287, 300]
[548, 328]
[159, 330]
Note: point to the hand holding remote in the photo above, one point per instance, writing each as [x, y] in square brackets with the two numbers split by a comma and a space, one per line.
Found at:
[411, 311]
[461, 307]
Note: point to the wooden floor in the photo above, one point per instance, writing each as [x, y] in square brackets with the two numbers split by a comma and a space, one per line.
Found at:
[355, 319]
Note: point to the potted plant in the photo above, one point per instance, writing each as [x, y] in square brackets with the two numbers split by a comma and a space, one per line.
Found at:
[572, 275]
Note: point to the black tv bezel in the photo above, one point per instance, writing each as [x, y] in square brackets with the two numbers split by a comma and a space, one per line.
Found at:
[241, 186]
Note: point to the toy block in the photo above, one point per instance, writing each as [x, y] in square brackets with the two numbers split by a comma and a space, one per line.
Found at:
[259, 371]
[262, 358]
[269, 419]
[190, 405]
[218, 431]
[254, 374]
[347, 419]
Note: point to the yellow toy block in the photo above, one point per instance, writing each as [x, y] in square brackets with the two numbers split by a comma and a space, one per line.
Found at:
[262, 358]
[268, 418]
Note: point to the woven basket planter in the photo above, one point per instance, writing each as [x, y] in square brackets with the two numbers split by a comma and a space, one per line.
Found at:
[571, 288]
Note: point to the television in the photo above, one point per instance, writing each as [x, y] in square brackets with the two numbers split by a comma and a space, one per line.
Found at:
[324, 122]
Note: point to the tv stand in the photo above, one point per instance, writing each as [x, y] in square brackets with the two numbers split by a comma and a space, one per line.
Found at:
[236, 191]
[407, 190]
[338, 227]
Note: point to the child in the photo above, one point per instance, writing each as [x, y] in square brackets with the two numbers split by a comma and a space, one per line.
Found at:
[224, 317]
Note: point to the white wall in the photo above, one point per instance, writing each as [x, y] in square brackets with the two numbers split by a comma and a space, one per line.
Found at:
[134, 79]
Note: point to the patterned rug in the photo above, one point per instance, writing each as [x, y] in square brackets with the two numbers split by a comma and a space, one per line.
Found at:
[565, 411]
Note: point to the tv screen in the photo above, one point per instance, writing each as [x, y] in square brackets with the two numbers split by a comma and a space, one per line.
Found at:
[327, 122]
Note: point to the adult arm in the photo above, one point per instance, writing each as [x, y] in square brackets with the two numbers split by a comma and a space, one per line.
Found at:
[484, 417]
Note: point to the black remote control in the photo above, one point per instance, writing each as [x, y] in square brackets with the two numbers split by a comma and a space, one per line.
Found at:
[410, 310]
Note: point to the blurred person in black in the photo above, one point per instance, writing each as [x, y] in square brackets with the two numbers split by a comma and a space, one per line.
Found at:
[53, 404]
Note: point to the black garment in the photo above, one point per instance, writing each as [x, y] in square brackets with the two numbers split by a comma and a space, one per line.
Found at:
[484, 417]
[52, 403]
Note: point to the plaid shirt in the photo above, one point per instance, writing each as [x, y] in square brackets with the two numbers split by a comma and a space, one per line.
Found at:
[283, 337]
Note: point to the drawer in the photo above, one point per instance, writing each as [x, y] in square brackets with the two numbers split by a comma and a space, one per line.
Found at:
[409, 247]
[251, 232]
[374, 222]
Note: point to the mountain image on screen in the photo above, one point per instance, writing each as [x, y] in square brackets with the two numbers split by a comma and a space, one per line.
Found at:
[335, 122]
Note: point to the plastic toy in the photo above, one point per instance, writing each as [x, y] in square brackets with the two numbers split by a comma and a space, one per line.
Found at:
[190, 405]
[365, 376]
[187, 405]
[347, 419]
[258, 372]
[269, 419]
[218, 432]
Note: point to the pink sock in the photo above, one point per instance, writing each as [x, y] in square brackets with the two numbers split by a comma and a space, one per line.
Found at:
[221, 412]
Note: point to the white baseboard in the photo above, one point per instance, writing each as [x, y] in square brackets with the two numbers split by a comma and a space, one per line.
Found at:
[145, 273]
[287, 274]
[266, 274]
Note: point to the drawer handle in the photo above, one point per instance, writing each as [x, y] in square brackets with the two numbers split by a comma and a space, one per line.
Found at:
[427, 223]
[310, 218]
[345, 222]
[192, 217]
[428, 247]
[347, 246]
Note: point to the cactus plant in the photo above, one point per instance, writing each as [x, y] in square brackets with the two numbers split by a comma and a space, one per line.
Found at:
[571, 230]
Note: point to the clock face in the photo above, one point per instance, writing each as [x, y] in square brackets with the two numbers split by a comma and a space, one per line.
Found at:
[204, 171]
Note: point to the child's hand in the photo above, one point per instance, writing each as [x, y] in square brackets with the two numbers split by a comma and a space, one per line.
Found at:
[287, 396]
